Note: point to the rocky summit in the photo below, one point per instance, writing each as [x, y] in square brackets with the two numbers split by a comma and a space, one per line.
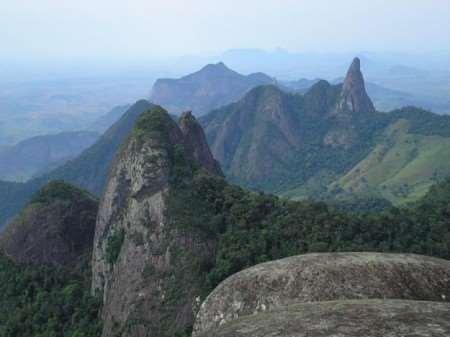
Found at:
[354, 98]
[195, 140]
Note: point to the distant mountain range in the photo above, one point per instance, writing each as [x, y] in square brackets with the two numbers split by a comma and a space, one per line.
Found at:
[211, 87]
[42, 153]
[38, 155]
[89, 170]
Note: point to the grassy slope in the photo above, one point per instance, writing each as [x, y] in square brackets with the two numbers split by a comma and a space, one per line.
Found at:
[398, 168]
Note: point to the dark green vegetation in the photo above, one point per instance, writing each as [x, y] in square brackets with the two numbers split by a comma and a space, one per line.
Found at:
[89, 170]
[58, 190]
[115, 241]
[46, 302]
[251, 228]
[45, 274]
[55, 229]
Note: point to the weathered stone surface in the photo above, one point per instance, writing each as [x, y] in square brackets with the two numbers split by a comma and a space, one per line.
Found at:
[361, 318]
[143, 262]
[325, 277]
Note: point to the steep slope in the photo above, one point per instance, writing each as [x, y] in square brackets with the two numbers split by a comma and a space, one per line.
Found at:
[142, 253]
[89, 170]
[42, 153]
[251, 146]
[353, 97]
[104, 122]
[211, 87]
[55, 229]
[195, 141]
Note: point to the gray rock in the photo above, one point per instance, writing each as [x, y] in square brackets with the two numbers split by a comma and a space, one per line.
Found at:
[324, 277]
[362, 318]
[354, 98]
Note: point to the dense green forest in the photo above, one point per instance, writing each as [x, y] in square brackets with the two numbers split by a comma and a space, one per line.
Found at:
[251, 228]
[46, 302]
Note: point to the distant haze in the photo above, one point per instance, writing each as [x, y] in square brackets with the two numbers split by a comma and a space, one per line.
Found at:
[137, 30]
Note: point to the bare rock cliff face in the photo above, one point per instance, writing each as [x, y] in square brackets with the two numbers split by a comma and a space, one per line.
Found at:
[354, 98]
[144, 262]
[278, 285]
[353, 103]
[195, 141]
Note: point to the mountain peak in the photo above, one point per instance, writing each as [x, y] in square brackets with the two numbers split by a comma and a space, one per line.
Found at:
[216, 68]
[354, 98]
[355, 66]
[213, 86]
[195, 140]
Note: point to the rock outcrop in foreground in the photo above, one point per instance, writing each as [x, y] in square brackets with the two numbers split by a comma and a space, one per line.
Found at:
[364, 318]
[278, 285]
[55, 229]
[146, 261]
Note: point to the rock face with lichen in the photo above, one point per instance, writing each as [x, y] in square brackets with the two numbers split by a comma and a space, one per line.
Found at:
[368, 318]
[284, 286]
[144, 262]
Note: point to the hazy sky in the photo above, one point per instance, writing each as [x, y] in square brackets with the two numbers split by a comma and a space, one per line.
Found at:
[142, 29]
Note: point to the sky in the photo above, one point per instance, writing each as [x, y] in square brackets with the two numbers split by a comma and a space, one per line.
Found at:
[105, 30]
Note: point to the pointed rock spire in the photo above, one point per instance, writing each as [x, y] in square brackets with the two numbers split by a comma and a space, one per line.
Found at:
[195, 140]
[354, 98]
